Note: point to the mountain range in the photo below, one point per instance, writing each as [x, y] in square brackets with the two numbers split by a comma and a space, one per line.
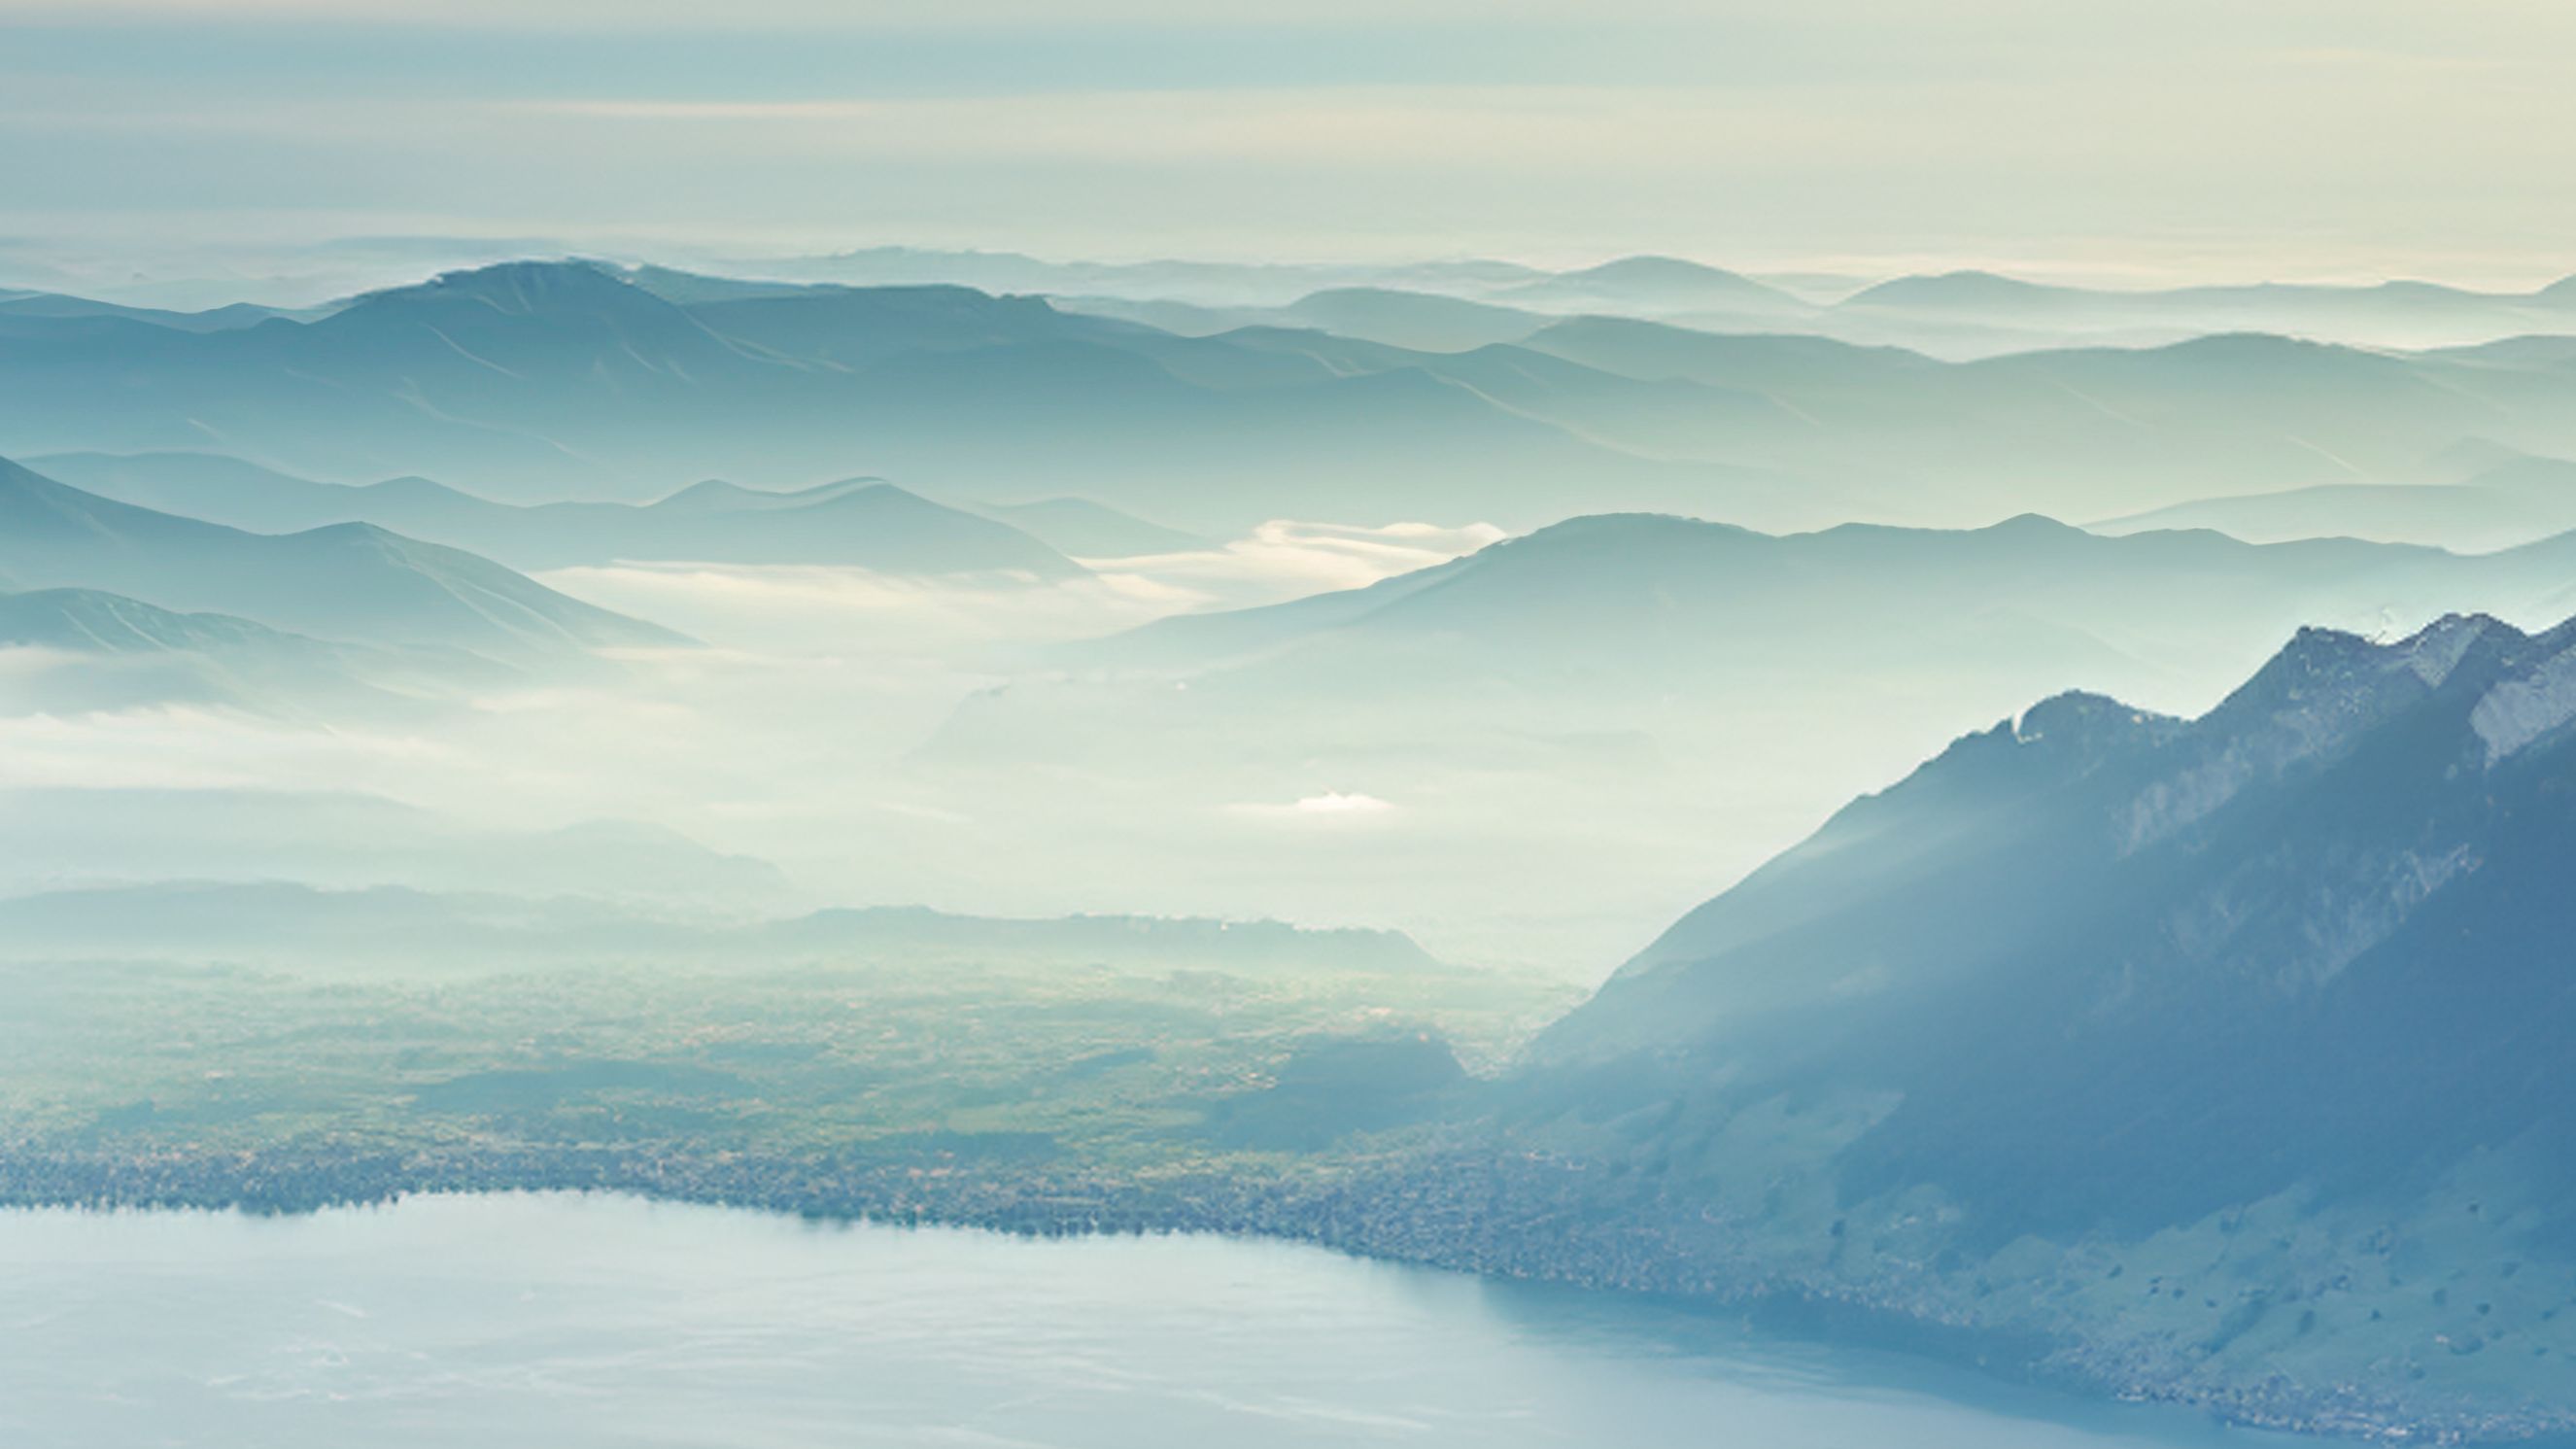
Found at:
[288, 925]
[538, 381]
[2138, 1001]
[861, 522]
[1978, 311]
[1960, 314]
[2515, 501]
[1592, 722]
[1651, 286]
[51, 313]
[541, 381]
[1181, 280]
[350, 582]
[92, 650]
[1672, 598]
[1899, 435]
[2206, 1059]
[2394, 313]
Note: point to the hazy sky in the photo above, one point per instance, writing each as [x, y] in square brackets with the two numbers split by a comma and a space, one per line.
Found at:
[2155, 138]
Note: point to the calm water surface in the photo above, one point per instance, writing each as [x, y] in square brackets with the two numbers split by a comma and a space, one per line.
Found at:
[572, 1323]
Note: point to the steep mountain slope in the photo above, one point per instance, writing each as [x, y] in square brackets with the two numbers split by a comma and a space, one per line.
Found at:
[349, 581]
[863, 522]
[2219, 1057]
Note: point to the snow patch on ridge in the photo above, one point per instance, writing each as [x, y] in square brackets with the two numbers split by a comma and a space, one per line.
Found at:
[2437, 649]
[2519, 711]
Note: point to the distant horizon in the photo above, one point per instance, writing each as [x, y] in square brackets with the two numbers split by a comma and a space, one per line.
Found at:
[343, 266]
[2188, 142]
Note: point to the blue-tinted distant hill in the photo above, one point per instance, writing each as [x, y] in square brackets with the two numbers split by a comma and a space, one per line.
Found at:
[2259, 305]
[1652, 286]
[1668, 594]
[1436, 322]
[532, 380]
[2517, 501]
[1420, 320]
[351, 582]
[58, 838]
[2394, 313]
[541, 380]
[91, 650]
[1200, 283]
[2218, 1059]
[1960, 314]
[391, 928]
[38, 313]
[864, 522]
[1598, 721]
[2049, 429]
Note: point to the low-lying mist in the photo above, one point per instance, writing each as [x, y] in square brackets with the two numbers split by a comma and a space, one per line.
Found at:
[1535, 762]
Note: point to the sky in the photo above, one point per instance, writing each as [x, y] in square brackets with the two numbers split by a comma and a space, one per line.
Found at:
[2104, 140]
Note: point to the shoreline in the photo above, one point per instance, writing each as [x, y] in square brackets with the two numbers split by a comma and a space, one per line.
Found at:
[1312, 1211]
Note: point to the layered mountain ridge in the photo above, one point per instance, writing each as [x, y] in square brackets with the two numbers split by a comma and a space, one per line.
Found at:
[544, 380]
[100, 650]
[859, 522]
[353, 582]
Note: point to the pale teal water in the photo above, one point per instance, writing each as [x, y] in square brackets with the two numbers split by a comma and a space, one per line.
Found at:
[580, 1323]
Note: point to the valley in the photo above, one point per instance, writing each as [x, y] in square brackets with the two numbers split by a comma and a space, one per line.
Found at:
[2081, 817]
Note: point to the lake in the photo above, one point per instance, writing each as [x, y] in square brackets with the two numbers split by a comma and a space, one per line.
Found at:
[576, 1322]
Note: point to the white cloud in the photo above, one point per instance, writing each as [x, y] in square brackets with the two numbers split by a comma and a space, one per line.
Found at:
[1334, 802]
[1285, 559]
[1331, 806]
[849, 613]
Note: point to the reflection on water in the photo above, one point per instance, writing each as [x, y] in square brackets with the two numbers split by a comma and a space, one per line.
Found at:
[572, 1322]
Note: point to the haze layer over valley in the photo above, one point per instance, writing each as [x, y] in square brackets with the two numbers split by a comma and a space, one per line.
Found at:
[948, 736]
[885, 566]
[1812, 724]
